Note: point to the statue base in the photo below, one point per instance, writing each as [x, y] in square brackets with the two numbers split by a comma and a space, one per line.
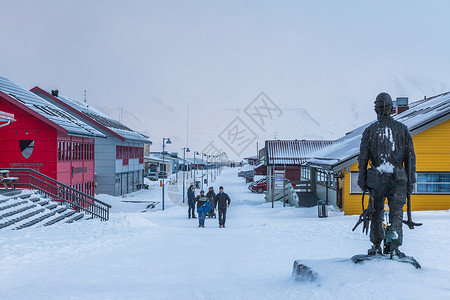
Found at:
[360, 258]
[301, 272]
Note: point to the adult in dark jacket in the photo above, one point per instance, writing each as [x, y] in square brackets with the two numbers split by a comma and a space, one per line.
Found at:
[191, 201]
[211, 195]
[222, 202]
[201, 201]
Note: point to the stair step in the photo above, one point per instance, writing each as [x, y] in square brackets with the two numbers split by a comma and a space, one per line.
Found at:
[20, 217]
[27, 215]
[11, 193]
[59, 217]
[26, 196]
[76, 217]
[35, 198]
[60, 209]
[18, 210]
[36, 220]
[43, 202]
[5, 200]
[16, 203]
[51, 206]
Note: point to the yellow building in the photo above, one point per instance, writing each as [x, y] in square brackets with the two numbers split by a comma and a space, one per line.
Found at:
[429, 123]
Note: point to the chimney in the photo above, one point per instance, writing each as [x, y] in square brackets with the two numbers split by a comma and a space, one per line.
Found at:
[402, 104]
[55, 93]
[394, 107]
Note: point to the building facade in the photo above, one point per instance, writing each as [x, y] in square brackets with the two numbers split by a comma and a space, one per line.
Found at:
[46, 139]
[119, 163]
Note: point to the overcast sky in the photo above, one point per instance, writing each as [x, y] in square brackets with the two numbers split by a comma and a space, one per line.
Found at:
[323, 60]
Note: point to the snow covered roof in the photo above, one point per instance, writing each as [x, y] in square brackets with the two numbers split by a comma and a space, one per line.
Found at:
[153, 158]
[292, 152]
[95, 116]
[421, 115]
[48, 111]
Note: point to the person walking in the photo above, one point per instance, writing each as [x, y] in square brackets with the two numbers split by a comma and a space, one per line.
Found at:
[201, 208]
[191, 202]
[222, 202]
[210, 195]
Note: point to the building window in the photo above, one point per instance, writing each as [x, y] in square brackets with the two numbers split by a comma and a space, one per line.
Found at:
[427, 183]
[433, 183]
[119, 152]
[141, 155]
[325, 179]
[354, 188]
[305, 172]
[59, 150]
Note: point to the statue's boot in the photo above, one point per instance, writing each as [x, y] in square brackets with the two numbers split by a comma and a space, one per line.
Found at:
[375, 249]
[396, 252]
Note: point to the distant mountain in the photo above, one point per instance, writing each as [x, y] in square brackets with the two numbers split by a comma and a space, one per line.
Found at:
[325, 113]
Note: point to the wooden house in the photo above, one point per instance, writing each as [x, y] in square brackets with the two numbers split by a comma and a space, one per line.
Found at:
[46, 138]
[288, 155]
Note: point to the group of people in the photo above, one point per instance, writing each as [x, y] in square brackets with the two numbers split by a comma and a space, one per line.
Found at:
[208, 204]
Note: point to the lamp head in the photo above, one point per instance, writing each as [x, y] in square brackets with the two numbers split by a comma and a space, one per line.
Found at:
[168, 141]
[187, 150]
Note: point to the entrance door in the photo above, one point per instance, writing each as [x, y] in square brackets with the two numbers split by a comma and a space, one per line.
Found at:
[118, 185]
[131, 182]
[124, 183]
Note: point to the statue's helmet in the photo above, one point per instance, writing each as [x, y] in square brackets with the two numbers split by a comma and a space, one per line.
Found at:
[383, 104]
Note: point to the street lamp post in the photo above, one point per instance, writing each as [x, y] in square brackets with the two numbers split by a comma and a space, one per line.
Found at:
[215, 167]
[203, 168]
[195, 165]
[164, 167]
[207, 170]
[184, 169]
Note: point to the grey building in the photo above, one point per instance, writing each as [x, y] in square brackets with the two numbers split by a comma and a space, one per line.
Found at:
[119, 159]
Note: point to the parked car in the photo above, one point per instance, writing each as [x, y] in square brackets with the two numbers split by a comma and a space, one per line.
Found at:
[152, 175]
[162, 174]
[259, 186]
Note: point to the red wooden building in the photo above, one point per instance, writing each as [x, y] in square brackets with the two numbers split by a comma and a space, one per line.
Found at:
[288, 155]
[46, 139]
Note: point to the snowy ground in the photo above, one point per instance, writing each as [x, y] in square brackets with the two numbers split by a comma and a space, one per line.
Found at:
[163, 255]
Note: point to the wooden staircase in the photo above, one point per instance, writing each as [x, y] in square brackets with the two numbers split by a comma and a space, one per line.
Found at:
[31, 209]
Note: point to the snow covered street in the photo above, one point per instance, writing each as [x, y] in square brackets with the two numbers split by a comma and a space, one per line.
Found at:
[164, 255]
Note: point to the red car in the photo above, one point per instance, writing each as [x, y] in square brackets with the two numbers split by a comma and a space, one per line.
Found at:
[259, 186]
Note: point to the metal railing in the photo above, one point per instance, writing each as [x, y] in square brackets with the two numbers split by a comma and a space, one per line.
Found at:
[31, 179]
[303, 186]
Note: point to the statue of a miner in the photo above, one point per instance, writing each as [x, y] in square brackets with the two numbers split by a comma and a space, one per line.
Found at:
[388, 145]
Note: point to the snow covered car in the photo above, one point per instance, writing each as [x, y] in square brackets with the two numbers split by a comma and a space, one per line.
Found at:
[259, 186]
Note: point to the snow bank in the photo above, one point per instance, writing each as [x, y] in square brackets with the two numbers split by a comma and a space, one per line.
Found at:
[163, 255]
